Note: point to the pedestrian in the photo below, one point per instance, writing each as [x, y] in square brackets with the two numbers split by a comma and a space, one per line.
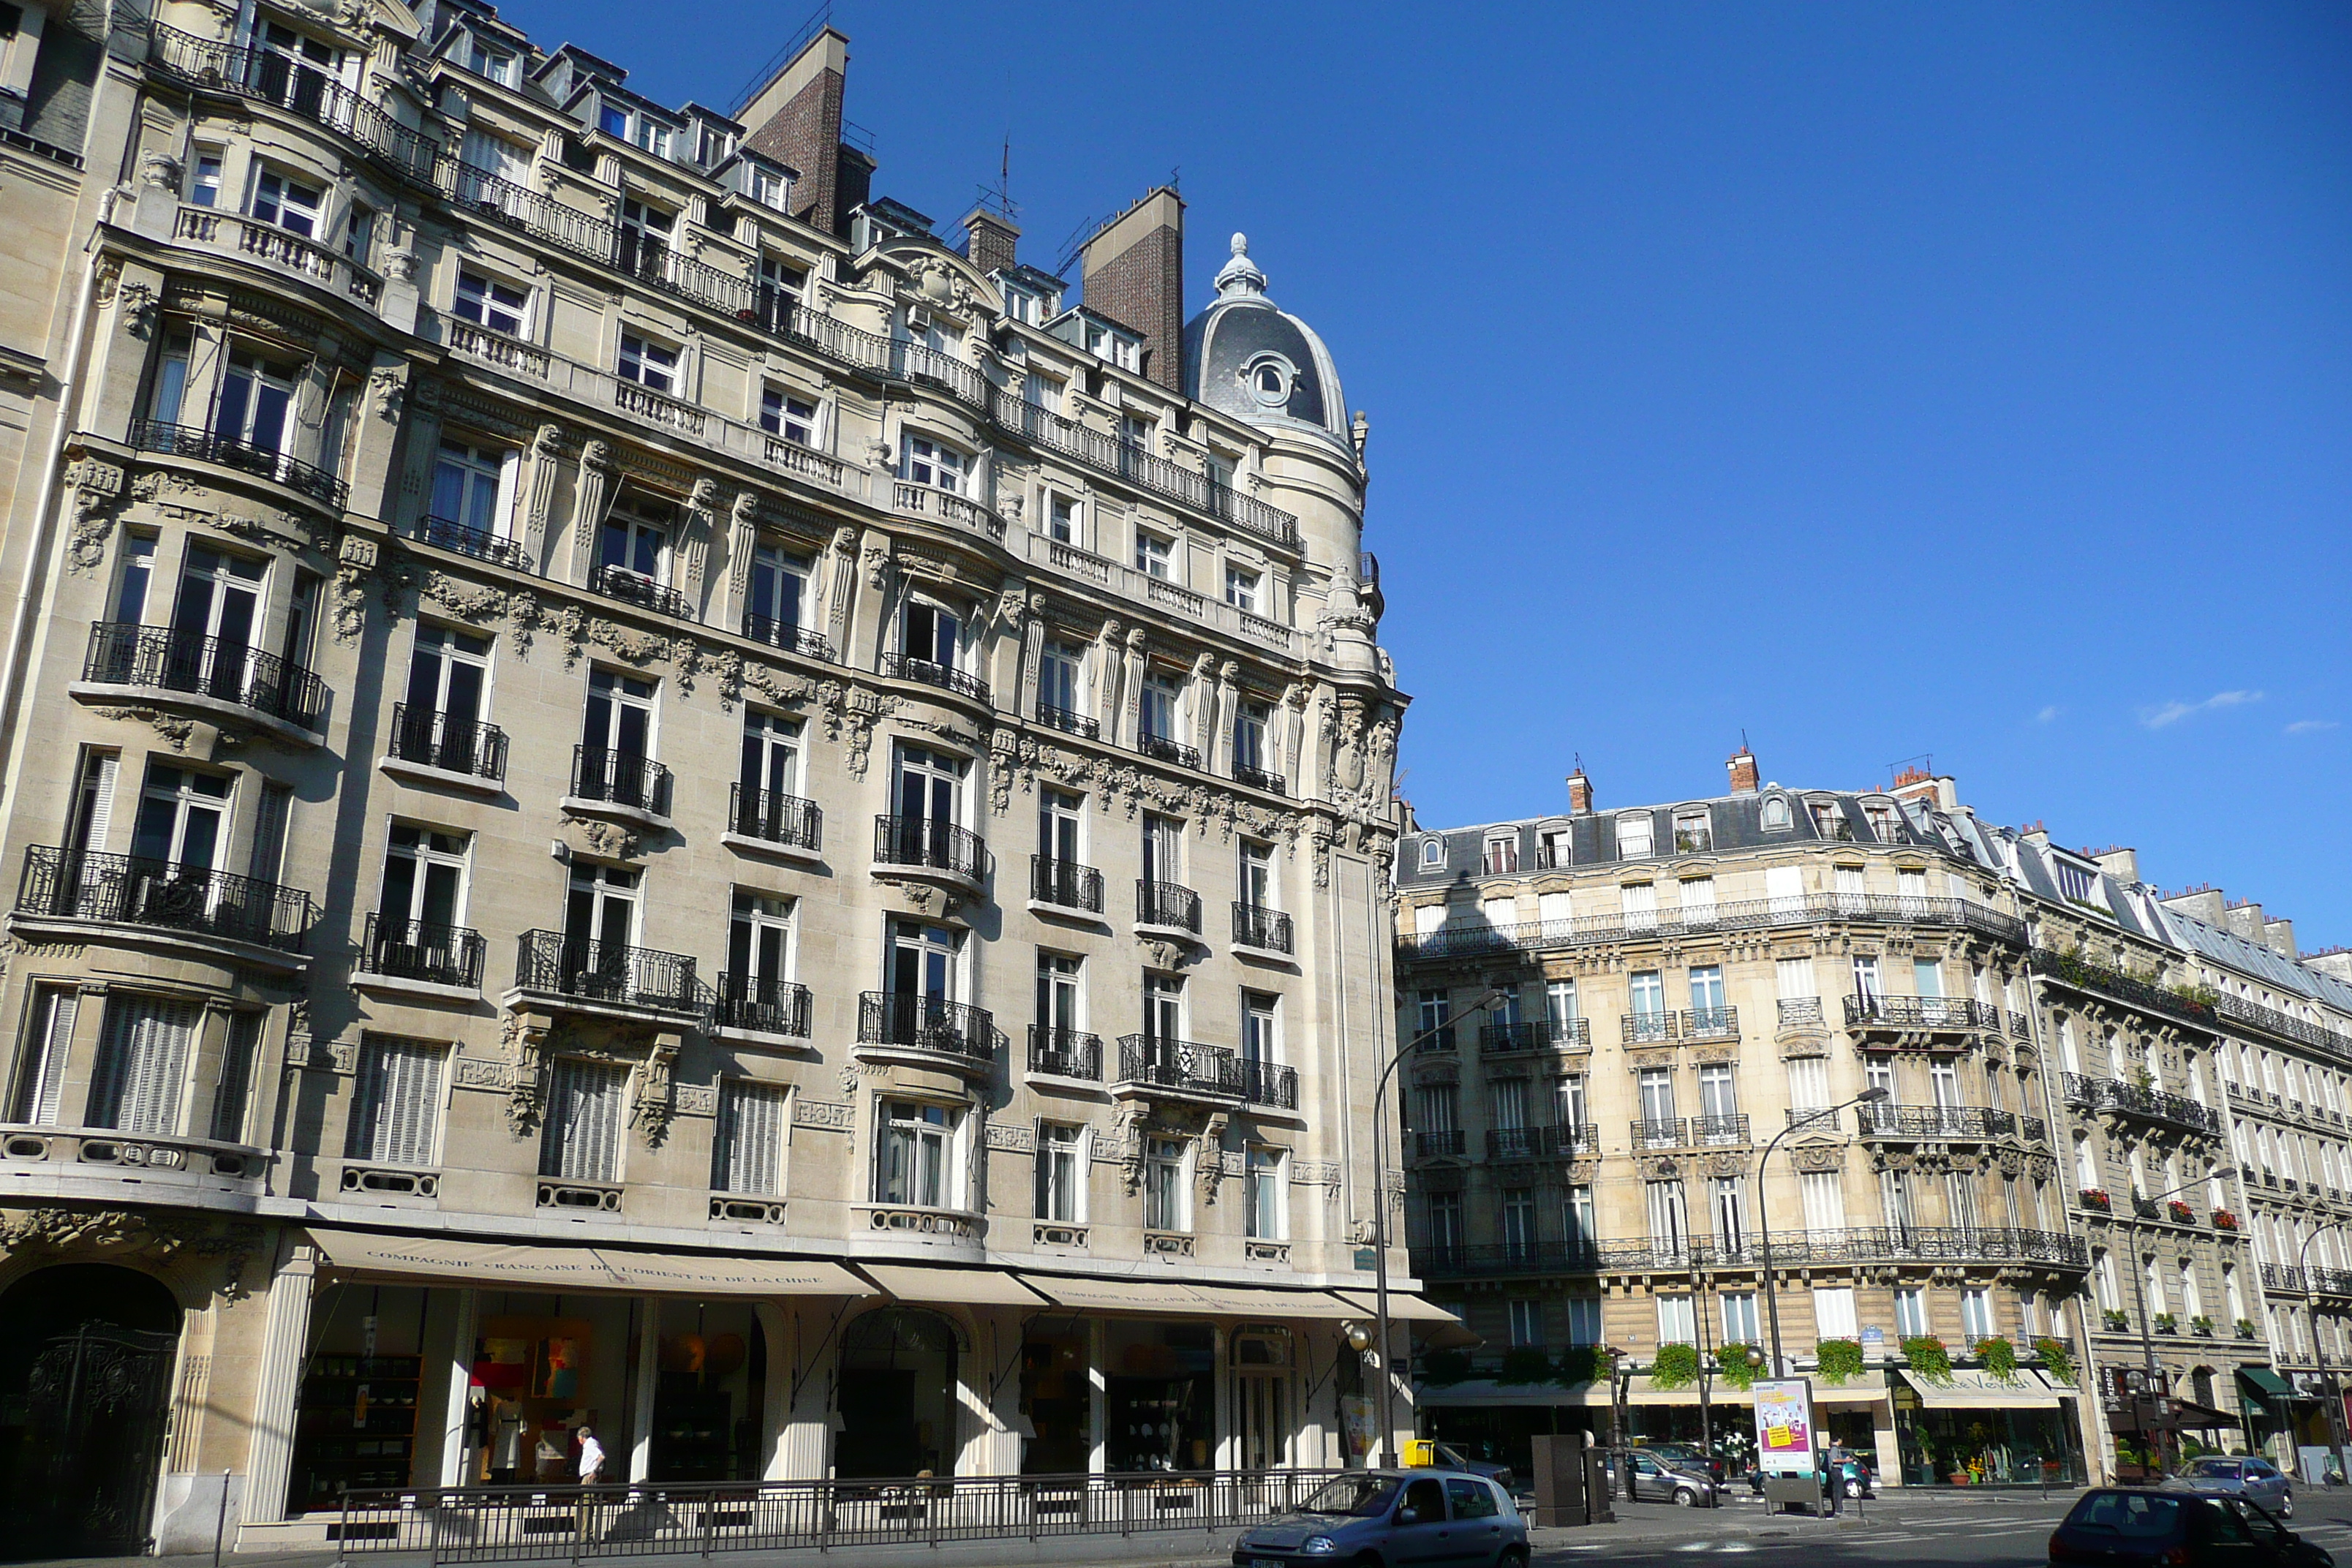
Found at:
[591, 1472]
[1831, 1486]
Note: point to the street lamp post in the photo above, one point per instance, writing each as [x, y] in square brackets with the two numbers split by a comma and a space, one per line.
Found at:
[2320, 1348]
[2139, 1296]
[1381, 1206]
[1871, 1096]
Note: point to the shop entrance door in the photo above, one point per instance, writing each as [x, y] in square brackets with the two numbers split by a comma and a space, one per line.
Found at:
[1265, 1421]
[86, 1356]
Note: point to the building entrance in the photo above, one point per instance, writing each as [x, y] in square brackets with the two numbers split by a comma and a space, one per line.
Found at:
[897, 1396]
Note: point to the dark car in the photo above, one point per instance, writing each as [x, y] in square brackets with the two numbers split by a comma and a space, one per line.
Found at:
[2118, 1527]
[1444, 1456]
[1388, 1519]
[1688, 1457]
[2240, 1475]
[1650, 1475]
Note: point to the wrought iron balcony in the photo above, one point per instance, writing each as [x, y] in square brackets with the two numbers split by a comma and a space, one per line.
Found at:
[262, 462]
[415, 949]
[1708, 1023]
[635, 589]
[447, 533]
[1969, 1122]
[926, 1023]
[2035, 1129]
[1800, 1012]
[552, 963]
[267, 76]
[443, 740]
[1161, 749]
[1509, 1039]
[790, 636]
[1731, 1129]
[1868, 1012]
[1066, 883]
[775, 817]
[620, 778]
[1644, 1028]
[931, 843]
[1258, 778]
[762, 1004]
[1894, 1244]
[1167, 904]
[2149, 1104]
[1068, 721]
[930, 672]
[1472, 939]
[82, 885]
[1660, 1133]
[1541, 1142]
[1158, 1062]
[1065, 1053]
[2082, 975]
[1269, 1083]
[1445, 1143]
[125, 653]
[1261, 927]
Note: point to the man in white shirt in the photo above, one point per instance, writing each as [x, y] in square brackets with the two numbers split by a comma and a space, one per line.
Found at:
[591, 1457]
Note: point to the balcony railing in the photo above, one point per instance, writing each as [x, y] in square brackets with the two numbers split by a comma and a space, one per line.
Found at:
[637, 588]
[1258, 778]
[1869, 1012]
[1755, 914]
[267, 76]
[2311, 1279]
[416, 950]
[1541, 1142]
[246, 456]
[123, 653]
[789, 636]
[1957, 1121]
[1167, 904]
[1726, 1129]
[1159, 748]
[1708, 1023]
[1645, 1028]
[930, 672]
[926, 1023]
[1254, 926]
[620, 778]
[479, 542]
[1793, 1249]
[550, 962]
[775, 817]
[1269, 1083]
[2132, 1099]
[2286, 1026]
[1068, 721]
[1446, 1142]
[1800, 1012]
[443, 740]
[1660, 1133]
[1159, 1062]
[2035, 1129]
[1066, 883]
[2071, 969]
[931, 843]
[762, 1004]
[83, 885]
[1065, 1053]
[1508, 1040]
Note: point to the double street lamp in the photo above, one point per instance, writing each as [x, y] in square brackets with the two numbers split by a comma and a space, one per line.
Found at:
[1871, 1096]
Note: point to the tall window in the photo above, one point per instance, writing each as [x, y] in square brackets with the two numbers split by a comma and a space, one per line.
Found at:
[1976, 1314]
[929, 787]
[1164, 1194]
[255, 399]
[1584, 1320]
[1061, 1169]
[1446, 1223]
[40, 1081]
[143, 1055]
[1648, 993]
[396, 1106]
[1162, 701]
[423, 897]
[1266, 1186]
[1060, 819]
[1718, 1096]
[772, 613]
[912, 1165]
[616, 730]
[1501, 857]
[931, 633]
[1669, 1218]
[635, 539]
[782, 414]
[1577, 1219]
[1808, 1083]
[1164, 1007]
[1910, 1312]
[1507, 1100]
[1527, 1322]
[581, 1141]
[1519, 1216]
[1823, 1193]
[1431, 1017]
[1706, 994]
[1060, 695]
[1163, 848]
[487, 302]
[1678, 1322]
[1258, 1026]
[1657, 1092]
[471, 486]
[651, 365]
[1252, 724]
[1833, 1313]
[770, 767]
[1571, 1107]
[183, 818]
[746, 1155]
[930, 463]
[1740, 1318]
[1559, 1008]
[923, 961]
[1640, 903]
[1257, 875]
[1865, 977]
[285, 202]
[759, 950]
[1435, 1107]
[1061, 512]
[1727, 1201]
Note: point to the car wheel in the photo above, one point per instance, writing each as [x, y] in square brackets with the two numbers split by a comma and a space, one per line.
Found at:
[1686, 1498]
[1367, 1560]
[1514, 1557]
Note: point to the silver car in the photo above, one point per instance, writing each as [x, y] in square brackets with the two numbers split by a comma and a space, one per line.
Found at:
[1393, 1518]
[2240, 1474]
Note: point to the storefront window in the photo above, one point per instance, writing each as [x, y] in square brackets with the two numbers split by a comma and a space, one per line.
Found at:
[897, 1396]
[1159, 1400]
[543, 1367]
[1054, 1396]
[708, 1401]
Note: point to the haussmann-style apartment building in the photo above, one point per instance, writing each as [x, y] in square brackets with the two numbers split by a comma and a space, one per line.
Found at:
[639, 794]
[1644, 1037]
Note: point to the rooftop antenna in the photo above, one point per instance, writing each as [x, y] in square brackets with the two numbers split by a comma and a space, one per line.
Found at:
[1000, 194]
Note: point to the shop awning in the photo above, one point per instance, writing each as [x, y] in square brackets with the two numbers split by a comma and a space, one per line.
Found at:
[1640, 1391]
[1179, 1298]
[2191, 1416]
[1402, 1308]
[1973, 1388]
[981, 1288]
[2267, 1384]
[1258, 1301]
[512, 1266]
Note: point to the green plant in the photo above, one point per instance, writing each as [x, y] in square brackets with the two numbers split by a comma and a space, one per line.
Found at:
[2167, 1323]
[1585, 1364]
[2201, 1325]
[1731, 1365]
[1928, 1358]
[1676, 1366]
[1840, 1361]
[1526, 1363]
[2116, 1321]
[2056, 1359]
[2201, 995]
[1445, 1367]
[2246, 1329]
[1999, 1358]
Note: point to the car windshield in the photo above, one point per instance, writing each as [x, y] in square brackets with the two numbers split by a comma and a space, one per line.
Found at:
[1449, 1457]
[2226, 1468]
[2128, 1513]
[1357, 1496]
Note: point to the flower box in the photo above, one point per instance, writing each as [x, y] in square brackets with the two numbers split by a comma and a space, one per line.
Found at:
[2095, 1198]
[2224, 1220]
[2182, 1212]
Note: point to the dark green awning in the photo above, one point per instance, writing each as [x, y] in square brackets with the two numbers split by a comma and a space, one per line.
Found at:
[2266, 1384]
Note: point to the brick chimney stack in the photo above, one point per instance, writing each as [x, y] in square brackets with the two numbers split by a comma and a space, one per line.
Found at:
[1133, 270]
[989, 240]
[1743, 771]
[1579, 793]
[796, 119]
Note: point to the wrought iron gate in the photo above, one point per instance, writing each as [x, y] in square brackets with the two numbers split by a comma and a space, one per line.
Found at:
[95, 1404]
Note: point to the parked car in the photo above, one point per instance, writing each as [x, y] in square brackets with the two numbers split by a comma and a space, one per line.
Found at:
[1855, 1477]
[1425, 1453]
[1653, 1476]
[2240, 1475]
[1393, 1517]
[2133, 1527]
[1688, 1457]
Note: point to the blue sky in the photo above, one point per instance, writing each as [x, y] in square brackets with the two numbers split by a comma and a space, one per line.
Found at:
[1887, 380]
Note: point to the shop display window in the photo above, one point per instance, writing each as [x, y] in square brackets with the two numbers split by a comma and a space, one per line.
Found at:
[1056, 1391]
[1160, 1396]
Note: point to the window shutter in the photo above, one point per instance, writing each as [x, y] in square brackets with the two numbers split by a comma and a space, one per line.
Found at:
[143, 1066]
[750, 1133]
[236, 1083]
[269, 834]
[45, 1076]
[502, 521]
[90, 832]
[583, 1124]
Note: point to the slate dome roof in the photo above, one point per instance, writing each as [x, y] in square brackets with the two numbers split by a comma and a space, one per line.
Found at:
[1247, 357]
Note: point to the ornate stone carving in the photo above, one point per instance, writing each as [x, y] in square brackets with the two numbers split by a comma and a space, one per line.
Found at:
[386, 388]
[177, 732]
[97, 487]
[1012, 1138]
[655, 1106]
[609, 840]
[1817, 1157]
[159, 1238]
[525, 1037]
[825, 1115]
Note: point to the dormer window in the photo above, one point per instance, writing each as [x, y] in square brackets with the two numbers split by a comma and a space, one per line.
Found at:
[1502, 854]
[1831, 822]
[1634, 837]
[1432, 854]
[1881, 818]
[2076, 883]
[1269, 378]
[612, 119]
[489, 64]
[1021, 305]
[1776, 811]
[1694, 833]
[1117, 348]
[769, 189]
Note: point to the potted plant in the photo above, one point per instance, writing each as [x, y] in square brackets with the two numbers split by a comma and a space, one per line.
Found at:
[2167, 1323]
[1928, 1358]
[2201, 1326]
[2182, 1214]
[1999, 1358]
[2097, 1198]
[1838, 1360]
[2056, 1359]
[2246, 1327]
[1676, 1366]
[2224, 1220]
[2116, 1323]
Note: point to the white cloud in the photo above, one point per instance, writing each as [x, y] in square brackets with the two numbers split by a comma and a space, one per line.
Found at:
[2174, 712]
[2311, 726]
[2047, 714]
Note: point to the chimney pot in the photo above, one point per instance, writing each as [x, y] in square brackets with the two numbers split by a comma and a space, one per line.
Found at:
[989, 240]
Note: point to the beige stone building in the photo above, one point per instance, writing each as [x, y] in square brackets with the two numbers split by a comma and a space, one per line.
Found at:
[643, 796]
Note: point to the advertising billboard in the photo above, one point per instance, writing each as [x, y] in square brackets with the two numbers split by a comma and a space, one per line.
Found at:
[1784, 1426]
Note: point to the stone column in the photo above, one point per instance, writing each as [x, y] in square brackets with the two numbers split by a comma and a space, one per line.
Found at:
[1098, 1404]
[1224, 1450]
[539, 493]
[461, 1377]
[645, 1378]
[285, 1336]
[802, 1447]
